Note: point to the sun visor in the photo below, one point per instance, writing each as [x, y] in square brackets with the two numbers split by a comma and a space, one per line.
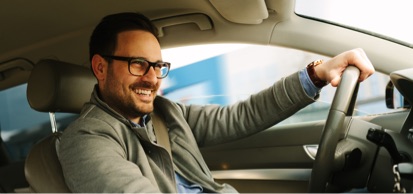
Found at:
[242, 11]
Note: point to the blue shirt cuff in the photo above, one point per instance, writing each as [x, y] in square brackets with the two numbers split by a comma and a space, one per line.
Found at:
[310, 89]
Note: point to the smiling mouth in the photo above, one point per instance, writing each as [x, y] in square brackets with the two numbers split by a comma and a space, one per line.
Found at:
[143, 92]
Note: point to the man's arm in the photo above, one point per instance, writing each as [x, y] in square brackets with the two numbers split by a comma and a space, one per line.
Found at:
[215, 124]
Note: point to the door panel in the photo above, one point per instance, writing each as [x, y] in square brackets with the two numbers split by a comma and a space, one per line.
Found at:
[274, 160]
[276, 147]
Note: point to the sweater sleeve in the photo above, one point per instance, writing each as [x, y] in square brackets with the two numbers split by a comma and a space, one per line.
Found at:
[214, 124]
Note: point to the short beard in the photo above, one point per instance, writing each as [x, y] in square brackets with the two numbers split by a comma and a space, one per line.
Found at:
[125, 105]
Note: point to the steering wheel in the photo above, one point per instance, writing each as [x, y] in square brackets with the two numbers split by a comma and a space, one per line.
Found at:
[342, 106]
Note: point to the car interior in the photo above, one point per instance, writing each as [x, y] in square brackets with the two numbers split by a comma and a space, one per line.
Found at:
[44, 47]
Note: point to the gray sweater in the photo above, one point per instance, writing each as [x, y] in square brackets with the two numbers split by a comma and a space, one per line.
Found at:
[102, 152]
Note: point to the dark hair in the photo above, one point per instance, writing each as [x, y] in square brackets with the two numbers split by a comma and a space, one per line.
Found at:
[104, 37]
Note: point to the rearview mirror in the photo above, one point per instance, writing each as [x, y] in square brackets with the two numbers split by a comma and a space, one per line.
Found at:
[394, 99]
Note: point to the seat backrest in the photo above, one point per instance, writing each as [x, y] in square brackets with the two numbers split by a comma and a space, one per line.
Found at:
[54, 86]
[42, 167]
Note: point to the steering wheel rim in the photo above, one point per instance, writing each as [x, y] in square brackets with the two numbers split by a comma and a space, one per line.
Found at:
[342, 104]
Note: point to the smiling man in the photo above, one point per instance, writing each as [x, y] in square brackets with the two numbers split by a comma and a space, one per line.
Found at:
[113, 147]
[127, 96]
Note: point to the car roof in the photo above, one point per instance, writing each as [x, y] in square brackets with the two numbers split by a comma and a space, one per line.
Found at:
[34, 30]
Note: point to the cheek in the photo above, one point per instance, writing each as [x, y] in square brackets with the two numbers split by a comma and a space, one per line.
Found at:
[158, 85]
[119, 76]
[113, 82]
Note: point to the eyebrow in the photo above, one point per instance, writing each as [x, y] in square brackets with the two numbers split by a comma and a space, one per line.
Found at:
[144, 58]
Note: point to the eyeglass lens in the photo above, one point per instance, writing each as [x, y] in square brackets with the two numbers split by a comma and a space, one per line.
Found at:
[140, 67]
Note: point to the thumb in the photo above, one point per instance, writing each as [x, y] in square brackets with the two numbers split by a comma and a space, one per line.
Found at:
[335, 81]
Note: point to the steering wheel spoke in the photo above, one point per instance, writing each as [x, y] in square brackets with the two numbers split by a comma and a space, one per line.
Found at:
[342, 106]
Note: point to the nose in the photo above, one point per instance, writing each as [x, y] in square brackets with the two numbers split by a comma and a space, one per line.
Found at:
[150, 76]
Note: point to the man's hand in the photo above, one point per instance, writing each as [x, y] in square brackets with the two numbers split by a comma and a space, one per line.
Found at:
[332, 69]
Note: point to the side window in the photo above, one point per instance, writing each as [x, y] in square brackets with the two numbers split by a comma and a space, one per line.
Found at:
[224, 74]
[21, 126]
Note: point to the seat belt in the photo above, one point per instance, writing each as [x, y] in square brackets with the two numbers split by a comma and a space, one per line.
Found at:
[161, 132]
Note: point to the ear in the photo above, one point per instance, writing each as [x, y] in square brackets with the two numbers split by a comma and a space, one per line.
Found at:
[99, 67]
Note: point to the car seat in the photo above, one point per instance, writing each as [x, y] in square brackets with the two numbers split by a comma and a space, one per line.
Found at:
[54, 86]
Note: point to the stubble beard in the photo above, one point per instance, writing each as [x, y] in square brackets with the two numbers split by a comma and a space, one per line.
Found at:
[124, 100]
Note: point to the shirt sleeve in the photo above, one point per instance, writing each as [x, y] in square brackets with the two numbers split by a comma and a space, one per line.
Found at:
[310, 89]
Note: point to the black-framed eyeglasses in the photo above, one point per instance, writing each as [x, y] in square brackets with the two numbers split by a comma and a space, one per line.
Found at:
[140, 66]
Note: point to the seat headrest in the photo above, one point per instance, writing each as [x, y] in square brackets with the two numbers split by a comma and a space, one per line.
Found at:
[56, 86]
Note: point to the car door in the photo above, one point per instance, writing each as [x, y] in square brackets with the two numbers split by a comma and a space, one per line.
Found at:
[280, 158]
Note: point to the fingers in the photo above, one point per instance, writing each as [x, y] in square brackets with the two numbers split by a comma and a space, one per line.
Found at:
[362, 62]
[332, 70]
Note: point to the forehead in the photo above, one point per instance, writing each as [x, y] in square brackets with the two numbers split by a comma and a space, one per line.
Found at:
[138, 43]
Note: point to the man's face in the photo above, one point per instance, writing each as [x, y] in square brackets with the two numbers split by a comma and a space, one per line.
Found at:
[132, 96]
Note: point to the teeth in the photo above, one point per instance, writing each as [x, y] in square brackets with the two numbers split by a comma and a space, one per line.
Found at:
[143, 92]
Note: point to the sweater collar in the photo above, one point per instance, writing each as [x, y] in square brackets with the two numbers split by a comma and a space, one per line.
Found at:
[143, 129]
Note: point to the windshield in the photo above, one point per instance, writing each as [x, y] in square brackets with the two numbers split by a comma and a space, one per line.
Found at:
[223, 74]
[389, 19]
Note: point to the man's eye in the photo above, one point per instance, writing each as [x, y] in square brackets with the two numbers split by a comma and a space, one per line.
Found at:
[159, 65]
[138, 62]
